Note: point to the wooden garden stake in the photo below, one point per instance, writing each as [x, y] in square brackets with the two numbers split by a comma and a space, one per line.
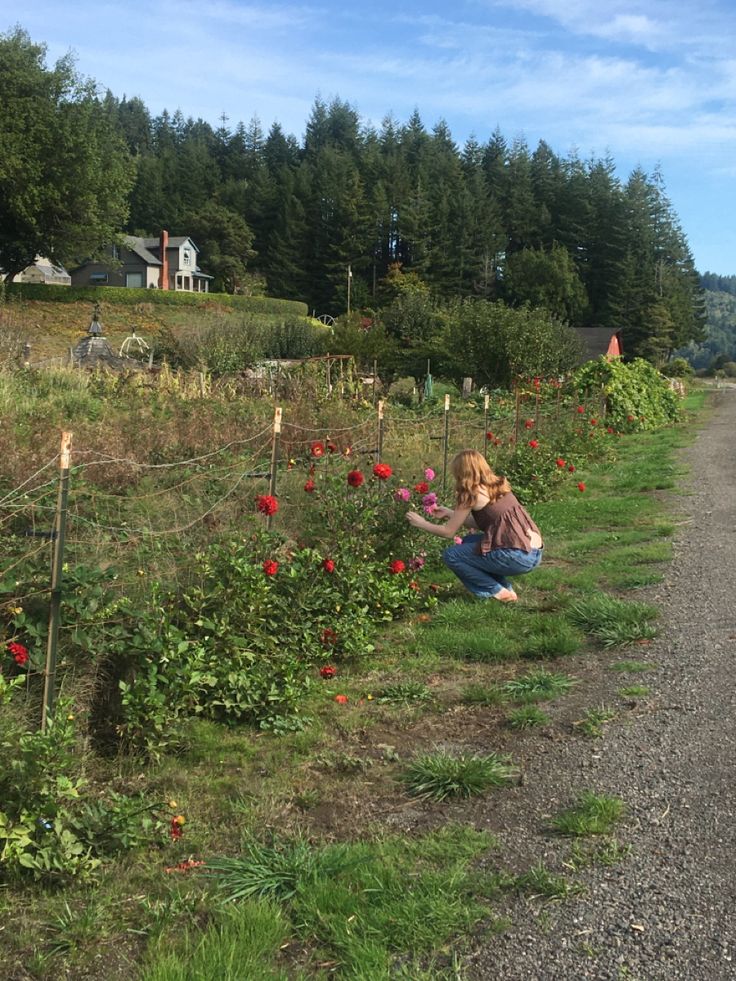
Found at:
[274, 456]
[379, 451]
[445, 442]
[516, 418]
[57, 566]
[486, 402]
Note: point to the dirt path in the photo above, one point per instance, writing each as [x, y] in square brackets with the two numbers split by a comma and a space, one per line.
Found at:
[668, 911]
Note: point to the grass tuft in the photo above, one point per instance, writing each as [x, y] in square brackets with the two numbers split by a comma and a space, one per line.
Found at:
[548, 635]
[634, 691]
[527, 717]
[477, 694]
[592, 722]
[537, 686]
[404, 693]
[592, 814]
[613, 622]
[278, 870]
[539, 881]
[437, 776]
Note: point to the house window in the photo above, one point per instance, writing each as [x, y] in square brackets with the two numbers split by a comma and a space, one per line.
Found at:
[115, 251]
[98, 279]
[134, 280]
[187, 257]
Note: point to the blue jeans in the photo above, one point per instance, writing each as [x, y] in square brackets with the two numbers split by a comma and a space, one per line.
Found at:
[486, 575]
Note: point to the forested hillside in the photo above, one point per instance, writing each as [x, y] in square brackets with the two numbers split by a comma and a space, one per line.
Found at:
[495, 219]
[719, 345]
[333, 219]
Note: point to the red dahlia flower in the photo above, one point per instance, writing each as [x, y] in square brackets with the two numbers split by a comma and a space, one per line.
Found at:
[560, 462]
[332, 447]
[594, 422]
[341, 699]
[571, 468]
[397, 566]
[309, 486]
[328, 636]
[422, 487]
[270, 567]
[581, 409]
[328, 671]
[355, 478]
[382, 470]
[581, 486]
[328, 565]
[267, 504]
[489, 435]
[534, 443]
[19, 652]
[317, 449]
[529, 424]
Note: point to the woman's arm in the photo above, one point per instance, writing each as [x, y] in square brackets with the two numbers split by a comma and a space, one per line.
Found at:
[448, 530]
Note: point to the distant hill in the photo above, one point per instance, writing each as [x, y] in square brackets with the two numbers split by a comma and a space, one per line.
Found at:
[720, 342]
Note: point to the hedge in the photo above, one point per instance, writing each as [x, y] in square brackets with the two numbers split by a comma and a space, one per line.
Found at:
[124, 296]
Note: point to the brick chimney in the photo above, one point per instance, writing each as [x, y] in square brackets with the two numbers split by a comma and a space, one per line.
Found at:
[163, 275]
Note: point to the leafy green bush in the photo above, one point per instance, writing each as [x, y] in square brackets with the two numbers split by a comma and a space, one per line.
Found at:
[51, 827]
[637, 395]
[678, 368]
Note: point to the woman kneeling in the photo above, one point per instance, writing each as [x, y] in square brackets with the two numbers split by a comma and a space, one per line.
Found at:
[507, 542]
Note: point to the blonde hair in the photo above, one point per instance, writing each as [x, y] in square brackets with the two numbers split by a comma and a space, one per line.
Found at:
[472, 475]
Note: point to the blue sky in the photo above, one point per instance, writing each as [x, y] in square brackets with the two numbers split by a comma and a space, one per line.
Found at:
[652, 82]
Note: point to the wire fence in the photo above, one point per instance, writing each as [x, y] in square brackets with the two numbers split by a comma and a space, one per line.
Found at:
[162, 512]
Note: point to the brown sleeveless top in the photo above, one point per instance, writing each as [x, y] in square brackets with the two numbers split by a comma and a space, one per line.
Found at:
[505, 524]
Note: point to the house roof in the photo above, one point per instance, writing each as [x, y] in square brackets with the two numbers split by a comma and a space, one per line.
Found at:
[139, 246]
[595, 340]
[174, 242]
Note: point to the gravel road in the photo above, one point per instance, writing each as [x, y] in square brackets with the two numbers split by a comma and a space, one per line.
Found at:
[668, 910]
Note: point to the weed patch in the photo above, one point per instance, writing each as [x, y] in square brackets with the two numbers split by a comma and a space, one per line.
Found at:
[592, 814]
[613, 622]
[437, 776]
[527, 717]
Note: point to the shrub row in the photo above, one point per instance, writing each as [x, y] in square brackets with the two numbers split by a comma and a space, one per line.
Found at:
[130, 297]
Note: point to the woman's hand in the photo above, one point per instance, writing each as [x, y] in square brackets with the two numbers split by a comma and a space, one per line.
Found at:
[440, 512]
[414, 519]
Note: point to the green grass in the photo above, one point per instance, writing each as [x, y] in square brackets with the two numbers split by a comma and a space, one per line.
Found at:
[606, 850]
[403, 693]
[352, 907]
[549, 635]
[437, 776]
[594, 719]
[613, 622]
[527, 717]
[592, 814]
[477, 694]
[539, 882]
[243, 943]
[482, 643]
[634, 691]
[537, 686]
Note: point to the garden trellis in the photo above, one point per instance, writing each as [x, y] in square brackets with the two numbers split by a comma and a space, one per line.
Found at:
[143, 515]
